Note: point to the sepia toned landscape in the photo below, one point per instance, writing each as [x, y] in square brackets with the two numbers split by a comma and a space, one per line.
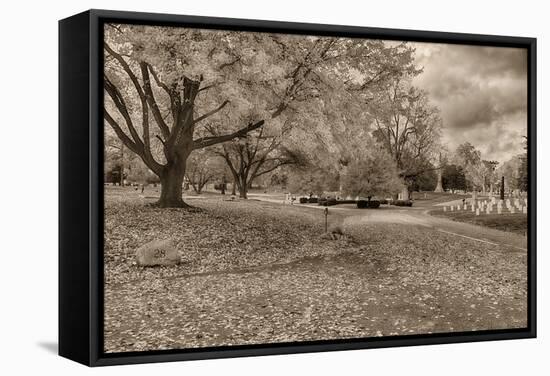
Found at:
[269, 188]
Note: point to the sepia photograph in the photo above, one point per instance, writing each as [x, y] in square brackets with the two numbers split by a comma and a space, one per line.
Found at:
[274, 188]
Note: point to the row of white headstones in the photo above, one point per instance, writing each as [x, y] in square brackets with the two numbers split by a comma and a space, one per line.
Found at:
[494, 205]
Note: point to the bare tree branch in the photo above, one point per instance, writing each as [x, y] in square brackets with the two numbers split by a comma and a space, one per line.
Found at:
[208, 141]
[149, 96]
[210, 113]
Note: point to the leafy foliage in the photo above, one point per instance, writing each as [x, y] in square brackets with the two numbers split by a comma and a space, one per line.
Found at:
[454, 178]
[407, 126]
[371, 173]
[166, 85]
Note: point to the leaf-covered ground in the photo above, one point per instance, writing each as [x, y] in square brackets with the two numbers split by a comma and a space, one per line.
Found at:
[255, 272]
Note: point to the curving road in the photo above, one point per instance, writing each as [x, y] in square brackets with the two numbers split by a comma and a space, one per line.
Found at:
[418, 217]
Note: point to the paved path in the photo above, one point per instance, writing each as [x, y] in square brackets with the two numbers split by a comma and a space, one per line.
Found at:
[420, 217]
[467, 230]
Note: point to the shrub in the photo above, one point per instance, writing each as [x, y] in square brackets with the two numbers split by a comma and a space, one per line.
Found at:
[313, 200]
[331, 201]
[364, 204]
[384, 202]
[374, 204]
[328, 201]
[402, 203]
[303, 200]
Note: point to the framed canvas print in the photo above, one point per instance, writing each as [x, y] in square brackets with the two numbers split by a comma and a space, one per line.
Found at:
[239, 187]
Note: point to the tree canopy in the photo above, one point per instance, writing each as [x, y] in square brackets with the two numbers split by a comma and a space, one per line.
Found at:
[172, 91]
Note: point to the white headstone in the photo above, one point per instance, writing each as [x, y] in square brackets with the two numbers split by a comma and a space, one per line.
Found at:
[477, 211]
[444, 208]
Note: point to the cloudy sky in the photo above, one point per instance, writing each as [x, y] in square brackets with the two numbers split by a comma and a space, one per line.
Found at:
[482, 95]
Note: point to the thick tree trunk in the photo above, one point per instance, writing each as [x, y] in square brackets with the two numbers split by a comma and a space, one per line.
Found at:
[171, 187]
[243, 191]
[242, 186]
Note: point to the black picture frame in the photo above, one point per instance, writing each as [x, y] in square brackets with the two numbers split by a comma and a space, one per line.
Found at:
[81, 186]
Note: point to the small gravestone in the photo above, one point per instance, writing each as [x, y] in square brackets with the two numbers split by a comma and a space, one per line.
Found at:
[157, 252]
[444, 208]
[477, 211]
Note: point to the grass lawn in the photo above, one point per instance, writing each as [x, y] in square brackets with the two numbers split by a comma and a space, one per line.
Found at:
[425, 199]
[255, 272]
[516, 223]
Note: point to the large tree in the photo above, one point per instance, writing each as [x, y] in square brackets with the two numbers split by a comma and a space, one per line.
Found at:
[159, 84]
[371, 173]
[511, 172]
[256, 155]
[454, 178]
[203, 167]
[476, 170]
[408, 127]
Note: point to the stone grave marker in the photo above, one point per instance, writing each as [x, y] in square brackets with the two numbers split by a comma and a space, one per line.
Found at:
[158, 252]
